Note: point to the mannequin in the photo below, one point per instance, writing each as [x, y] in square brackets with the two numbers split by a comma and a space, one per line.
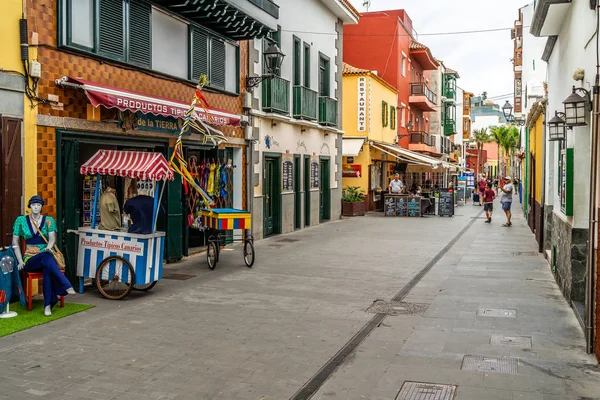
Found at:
[38, 255]
[110, 214]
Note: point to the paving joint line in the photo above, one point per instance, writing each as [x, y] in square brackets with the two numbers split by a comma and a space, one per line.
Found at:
[312, 386]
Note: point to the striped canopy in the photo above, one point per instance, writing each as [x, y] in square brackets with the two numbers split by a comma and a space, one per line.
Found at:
[133, 164]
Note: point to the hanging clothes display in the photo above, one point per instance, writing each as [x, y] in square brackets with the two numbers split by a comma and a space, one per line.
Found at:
[216, 191]
[10, 280]
[211, 179]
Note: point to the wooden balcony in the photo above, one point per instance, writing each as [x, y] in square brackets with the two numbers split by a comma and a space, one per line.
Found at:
[276, 95]
[422, 97]
[327, 111]
[421, 141]
[305, 103]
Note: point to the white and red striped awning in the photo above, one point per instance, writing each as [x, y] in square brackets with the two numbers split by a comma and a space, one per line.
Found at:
[133, 164]
[111, 97]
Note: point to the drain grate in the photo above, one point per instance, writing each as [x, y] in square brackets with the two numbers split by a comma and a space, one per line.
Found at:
[178, 277]
[426, 391]
[502, 365]
[288, 240]
[397, 308]
[524, 253]
[496, 312]
[521, 341]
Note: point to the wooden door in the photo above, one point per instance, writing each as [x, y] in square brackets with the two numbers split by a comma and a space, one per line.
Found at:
[297, 196]
[324, 191]
[11, 176]
[69, 185]
[306, 190]
[269, 197]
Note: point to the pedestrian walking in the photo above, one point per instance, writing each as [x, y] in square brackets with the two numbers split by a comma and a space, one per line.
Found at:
[481, 186]
[506, 199]
[488, 202]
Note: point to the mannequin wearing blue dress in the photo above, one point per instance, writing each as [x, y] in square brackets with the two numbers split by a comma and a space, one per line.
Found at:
[38, 257]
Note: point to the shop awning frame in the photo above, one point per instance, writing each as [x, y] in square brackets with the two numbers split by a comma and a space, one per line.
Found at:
[409, 156]
[126, 100]
[352, 146]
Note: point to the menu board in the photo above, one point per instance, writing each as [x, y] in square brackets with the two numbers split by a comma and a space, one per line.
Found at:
[389, 206]
[446, 203]
[460, 191]
[314, 174]
[288, 175]
[401, 207]
[414, 207]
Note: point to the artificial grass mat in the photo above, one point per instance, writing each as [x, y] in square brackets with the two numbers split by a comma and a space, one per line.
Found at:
[26, 319]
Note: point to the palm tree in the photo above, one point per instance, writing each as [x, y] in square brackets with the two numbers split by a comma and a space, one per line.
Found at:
[506, 137]
[481, 137]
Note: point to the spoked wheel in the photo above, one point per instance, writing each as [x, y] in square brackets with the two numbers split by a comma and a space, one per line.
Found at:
[249, 253]
[212, 255]
[114, 278]
[145, 287]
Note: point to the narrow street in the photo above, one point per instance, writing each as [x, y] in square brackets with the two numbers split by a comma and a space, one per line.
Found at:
[266, 333]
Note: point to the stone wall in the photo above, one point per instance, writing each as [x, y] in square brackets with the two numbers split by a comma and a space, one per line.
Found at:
[548, 225]
[571, 247]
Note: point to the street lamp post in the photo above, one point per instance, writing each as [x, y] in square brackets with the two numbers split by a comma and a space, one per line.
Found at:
[272, 58]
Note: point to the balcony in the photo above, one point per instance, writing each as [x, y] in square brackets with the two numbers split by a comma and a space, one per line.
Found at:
[449, 118]
[445, 146]
[449, 86]
[276, 95]
[327, 111]
[422, 97]
[305, 103]
[421, 141]
[235, 19]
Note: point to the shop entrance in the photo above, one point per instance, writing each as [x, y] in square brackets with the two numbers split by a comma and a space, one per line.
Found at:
[297, 196]
[272, 194]
[11, 176]
[306, 190]
[324, 190]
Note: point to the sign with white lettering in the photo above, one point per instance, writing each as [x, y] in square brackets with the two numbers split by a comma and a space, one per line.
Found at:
[119, 245]
[362, 104]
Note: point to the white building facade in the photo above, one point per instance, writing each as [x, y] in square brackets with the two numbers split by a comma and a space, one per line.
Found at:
[296, 162]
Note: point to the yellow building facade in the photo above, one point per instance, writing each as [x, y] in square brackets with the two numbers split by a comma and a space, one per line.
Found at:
[369, 114]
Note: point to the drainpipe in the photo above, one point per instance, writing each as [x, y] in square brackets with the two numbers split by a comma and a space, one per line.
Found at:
[591, 254]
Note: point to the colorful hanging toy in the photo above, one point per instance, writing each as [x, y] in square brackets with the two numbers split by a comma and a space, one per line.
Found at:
[191, 119]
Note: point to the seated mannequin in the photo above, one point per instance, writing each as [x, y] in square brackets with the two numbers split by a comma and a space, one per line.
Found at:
[38, 255]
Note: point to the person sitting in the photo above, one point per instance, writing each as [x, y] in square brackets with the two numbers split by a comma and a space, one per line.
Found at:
[39, 233]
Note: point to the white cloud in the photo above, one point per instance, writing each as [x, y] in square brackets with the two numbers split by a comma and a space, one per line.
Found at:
[482, 59]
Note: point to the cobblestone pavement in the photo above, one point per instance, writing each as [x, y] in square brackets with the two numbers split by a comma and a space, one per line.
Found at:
[263, 333]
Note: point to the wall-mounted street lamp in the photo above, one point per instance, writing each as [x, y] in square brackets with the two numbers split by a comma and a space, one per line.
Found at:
[272, 59]
[507, 109]
[557, 129]
[577, 107]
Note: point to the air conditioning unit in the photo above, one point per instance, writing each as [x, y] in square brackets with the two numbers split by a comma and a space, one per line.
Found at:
[248, 132]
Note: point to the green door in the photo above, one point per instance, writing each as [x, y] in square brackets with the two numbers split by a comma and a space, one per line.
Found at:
[297, 195]
[69, 191]
[174, 238]
[271, 196]
[324, 191]
[306, 190]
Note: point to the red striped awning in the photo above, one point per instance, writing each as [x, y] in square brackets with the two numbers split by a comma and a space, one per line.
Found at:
[132, 164]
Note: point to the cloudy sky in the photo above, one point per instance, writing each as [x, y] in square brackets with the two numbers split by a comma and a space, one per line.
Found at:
[482, 59]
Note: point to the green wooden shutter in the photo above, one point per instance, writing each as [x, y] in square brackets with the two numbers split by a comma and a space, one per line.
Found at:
[140, 37]
[70, 204]
[297, 62]
[111, 43]
[199, 54]
[217, 63]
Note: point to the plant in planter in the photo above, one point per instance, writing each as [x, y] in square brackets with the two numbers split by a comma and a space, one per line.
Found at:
[353, 202]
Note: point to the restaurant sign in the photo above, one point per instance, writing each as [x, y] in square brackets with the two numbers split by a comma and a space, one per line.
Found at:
[362, 104]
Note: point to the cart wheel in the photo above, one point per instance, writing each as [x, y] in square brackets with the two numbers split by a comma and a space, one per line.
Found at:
[145, 287]
[212, 255]
[114, 278]
[249, 253]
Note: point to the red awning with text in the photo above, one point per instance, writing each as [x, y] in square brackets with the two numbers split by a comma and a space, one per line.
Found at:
[126, 100]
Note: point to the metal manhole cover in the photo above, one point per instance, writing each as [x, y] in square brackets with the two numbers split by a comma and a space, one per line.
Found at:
[502, 365]
[524, 253]
[496, 312]
[288, 240]
[521, 341]
[178, 277]
[426, 391]
[397, 308]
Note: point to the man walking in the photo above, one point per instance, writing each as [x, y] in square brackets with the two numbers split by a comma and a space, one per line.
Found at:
[506, 199]
[488, 202]
[396, 185]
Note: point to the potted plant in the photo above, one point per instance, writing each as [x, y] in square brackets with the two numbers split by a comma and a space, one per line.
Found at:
[353, 202]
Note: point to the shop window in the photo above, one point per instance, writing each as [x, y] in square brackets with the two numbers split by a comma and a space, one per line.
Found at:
[134, 32]
[169, 45]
